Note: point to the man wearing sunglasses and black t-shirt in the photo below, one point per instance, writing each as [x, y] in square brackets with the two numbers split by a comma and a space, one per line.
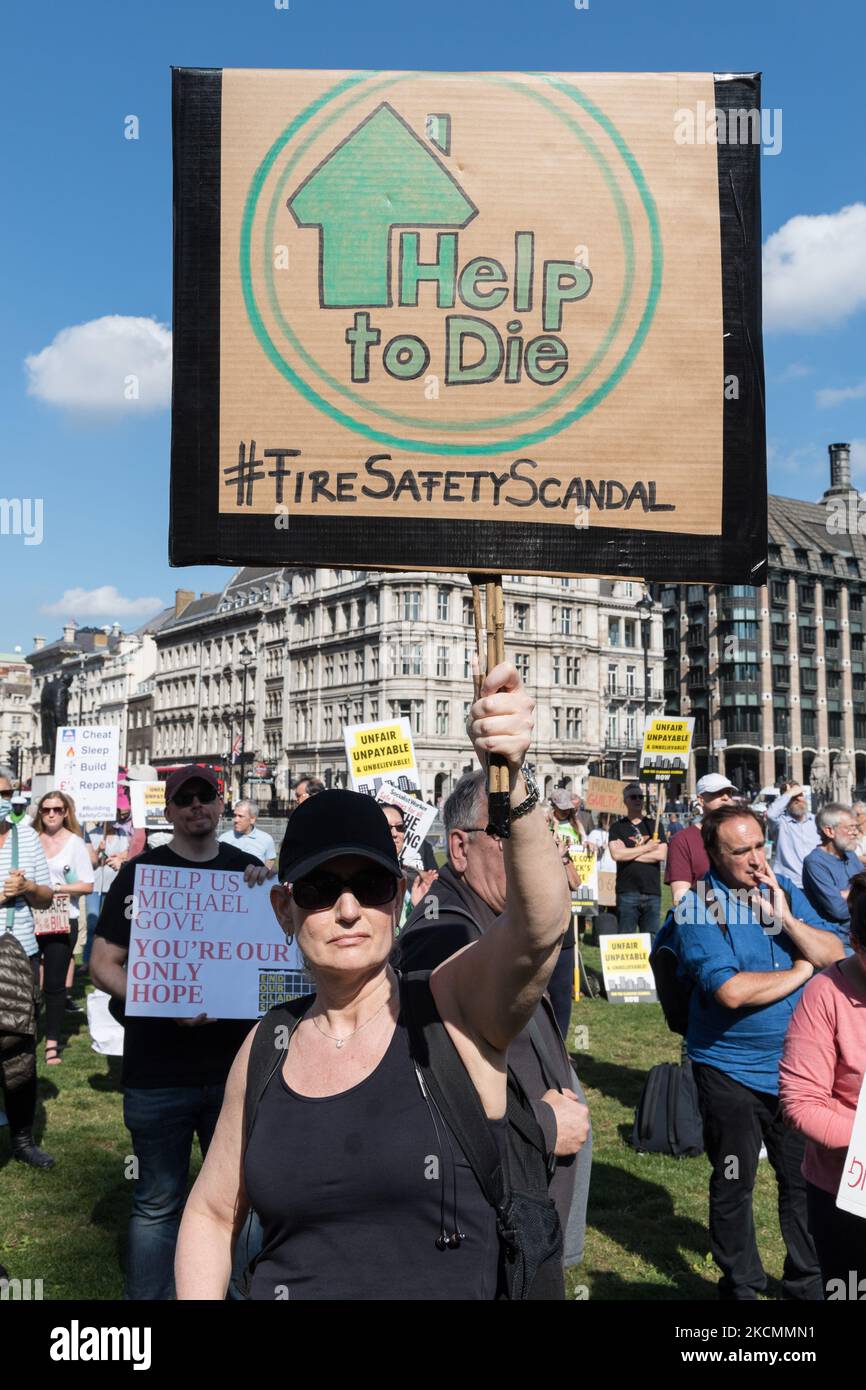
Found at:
[174, 1070]
[639, 857]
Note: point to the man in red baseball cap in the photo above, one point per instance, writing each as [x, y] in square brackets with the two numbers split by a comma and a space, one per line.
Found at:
[174, 1070]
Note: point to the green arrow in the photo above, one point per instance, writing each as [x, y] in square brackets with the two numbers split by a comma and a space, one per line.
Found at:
[381, 176]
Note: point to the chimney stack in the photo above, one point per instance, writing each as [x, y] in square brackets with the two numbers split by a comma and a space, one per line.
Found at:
[38, 643]
[182, 599]
[840, 470]
[69, 630]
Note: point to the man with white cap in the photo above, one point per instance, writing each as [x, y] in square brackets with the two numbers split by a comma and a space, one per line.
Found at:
[687, 859]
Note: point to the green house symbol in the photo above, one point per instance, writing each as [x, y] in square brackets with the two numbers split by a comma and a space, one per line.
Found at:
[380, 177]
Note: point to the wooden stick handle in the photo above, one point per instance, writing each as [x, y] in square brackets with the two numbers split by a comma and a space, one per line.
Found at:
[479, 625]
[660, 789]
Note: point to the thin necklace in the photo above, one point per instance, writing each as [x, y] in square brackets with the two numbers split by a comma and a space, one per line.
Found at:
[340, 1041]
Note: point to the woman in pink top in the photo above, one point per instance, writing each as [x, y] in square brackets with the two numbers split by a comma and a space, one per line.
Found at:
[819, 1084]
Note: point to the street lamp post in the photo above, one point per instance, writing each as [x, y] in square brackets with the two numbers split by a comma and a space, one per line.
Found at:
[246, 656]
[80, 691]
[644, 607]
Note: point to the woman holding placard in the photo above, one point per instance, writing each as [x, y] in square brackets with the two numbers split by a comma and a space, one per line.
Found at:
[57, 926]
[340, 1136]
[820, 1081]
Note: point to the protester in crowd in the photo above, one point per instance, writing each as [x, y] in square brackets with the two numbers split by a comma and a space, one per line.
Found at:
[859, 811]
[71, 873]
[748, 954]
[829, 869]
[174, 1070]
[638, 857]
[307, 787]
[109, 848]
[795, 832]
[581, 816]
[338, 1160]
[567, 826]
[25, 883]
[245, 834]
[687, 859]
[470, 897]
[674, 826]
[820, 1079]
[417, 884]
[599, 838]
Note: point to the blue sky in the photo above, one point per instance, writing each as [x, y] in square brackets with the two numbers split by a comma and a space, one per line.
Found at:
[88, 229]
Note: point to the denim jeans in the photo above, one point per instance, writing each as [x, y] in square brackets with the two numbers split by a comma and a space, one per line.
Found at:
[162, 1124]
[637, 912]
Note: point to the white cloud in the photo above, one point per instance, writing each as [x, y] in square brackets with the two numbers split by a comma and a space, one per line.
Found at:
[794, 372]
[109, 366]
[836, 395]
[104, 602]
[815, 270]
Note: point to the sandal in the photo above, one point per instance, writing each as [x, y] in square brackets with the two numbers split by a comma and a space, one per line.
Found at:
[52, 1055]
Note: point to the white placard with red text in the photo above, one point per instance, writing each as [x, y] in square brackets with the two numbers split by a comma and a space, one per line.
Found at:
[203, 942]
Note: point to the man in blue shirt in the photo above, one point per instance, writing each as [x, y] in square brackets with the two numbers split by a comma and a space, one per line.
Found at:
[245, 836]
[749, 942]
[795, 832]
[829, 869]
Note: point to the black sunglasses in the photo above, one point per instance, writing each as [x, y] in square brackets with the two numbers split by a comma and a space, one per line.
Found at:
[205, 797]
[372, 886]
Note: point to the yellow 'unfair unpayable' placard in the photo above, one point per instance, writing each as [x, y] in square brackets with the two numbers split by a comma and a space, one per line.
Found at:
[378, 753]
[666, 747]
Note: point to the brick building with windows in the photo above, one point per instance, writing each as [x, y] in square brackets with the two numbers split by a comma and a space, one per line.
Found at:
[776, 676]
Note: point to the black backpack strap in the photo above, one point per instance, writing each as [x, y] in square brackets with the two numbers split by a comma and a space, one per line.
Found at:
[533, 1031]
[447, 1081]
[268, 1052]
[545, 1061]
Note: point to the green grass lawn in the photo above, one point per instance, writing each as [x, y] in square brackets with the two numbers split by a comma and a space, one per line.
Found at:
[647, 1223]
[646, 1236]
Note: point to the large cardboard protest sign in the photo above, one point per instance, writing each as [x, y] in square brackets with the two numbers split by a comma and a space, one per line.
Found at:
[502, 321]
[203, 941]
[86, 768]
[667, 743]
[604, 794]
[379, 753]
[852, 1188]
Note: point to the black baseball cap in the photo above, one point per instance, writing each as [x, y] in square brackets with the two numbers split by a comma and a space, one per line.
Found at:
[334, 823]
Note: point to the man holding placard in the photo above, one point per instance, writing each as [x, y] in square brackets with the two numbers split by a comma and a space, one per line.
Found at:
[174, 1070]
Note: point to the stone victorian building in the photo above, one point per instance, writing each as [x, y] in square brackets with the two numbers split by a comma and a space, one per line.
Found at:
[266, 674]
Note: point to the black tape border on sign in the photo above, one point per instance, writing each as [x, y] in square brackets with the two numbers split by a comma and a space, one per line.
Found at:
[199, 535]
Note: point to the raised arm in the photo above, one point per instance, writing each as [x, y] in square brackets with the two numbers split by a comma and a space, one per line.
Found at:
[491, 989]
[777, 808]
[217, 1206]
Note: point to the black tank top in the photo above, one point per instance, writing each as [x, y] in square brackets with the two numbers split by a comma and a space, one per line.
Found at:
[350, 1189]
